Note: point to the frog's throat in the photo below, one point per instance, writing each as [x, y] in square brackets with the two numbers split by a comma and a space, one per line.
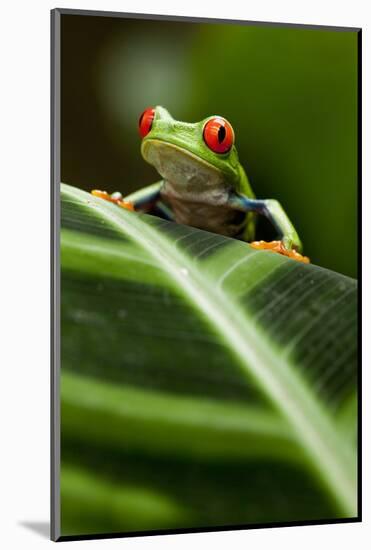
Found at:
[182, 169]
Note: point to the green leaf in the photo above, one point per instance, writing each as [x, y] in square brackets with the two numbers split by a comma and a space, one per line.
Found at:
[190, 356]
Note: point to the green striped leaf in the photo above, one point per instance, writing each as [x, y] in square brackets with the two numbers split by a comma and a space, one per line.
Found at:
[222, 377]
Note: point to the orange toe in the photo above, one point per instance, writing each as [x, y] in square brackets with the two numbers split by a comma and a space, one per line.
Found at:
[278, 246]
[102, 195]
[117, 200]
[126, 204]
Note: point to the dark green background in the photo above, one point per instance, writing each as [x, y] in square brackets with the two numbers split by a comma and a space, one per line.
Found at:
[290, 94]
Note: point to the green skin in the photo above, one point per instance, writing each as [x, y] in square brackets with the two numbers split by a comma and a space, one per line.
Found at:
[201, 188]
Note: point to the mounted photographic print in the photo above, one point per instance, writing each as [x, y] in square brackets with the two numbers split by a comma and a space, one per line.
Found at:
[205, 178]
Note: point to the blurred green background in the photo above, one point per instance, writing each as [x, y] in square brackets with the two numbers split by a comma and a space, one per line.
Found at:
[290, 94]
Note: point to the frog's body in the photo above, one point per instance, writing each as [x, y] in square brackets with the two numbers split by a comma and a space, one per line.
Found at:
[196, 192]
[203, 184]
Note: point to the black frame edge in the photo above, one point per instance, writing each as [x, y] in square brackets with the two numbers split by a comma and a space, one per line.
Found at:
[67, 538]
[169, 17]
[55, 274]
[359, 261]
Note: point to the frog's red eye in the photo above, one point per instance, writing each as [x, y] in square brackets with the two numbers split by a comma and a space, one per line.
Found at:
[145, 121]
[218, 134]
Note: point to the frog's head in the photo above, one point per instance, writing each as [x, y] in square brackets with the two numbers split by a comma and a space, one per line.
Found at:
[195, 156]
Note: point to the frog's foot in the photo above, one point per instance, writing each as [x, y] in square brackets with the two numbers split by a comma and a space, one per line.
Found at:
[116, 198]
[278, 246]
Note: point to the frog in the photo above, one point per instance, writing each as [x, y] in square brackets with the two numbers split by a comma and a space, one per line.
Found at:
[203, 184]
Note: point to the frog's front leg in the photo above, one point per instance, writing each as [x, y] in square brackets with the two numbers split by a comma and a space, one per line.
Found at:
[290, 244]
[145, 199]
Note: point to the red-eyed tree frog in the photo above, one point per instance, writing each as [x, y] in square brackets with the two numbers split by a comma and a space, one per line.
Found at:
[203, 184]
